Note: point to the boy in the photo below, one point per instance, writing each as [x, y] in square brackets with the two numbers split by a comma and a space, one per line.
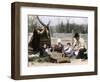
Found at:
[68, 50]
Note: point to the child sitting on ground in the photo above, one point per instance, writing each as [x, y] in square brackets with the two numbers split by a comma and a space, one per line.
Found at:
[44, 51]
[68, 50]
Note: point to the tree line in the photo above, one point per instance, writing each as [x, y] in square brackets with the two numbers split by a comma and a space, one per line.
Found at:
[67, 28]
[61, 27]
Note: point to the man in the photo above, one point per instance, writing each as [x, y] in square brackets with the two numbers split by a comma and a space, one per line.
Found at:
[79, 47]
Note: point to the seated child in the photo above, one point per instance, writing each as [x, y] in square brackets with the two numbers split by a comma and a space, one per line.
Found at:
[68, 50]
[59, 47]
[44, 51]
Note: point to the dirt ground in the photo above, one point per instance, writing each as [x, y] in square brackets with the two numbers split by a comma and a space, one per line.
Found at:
[64, 40]
[73, 62]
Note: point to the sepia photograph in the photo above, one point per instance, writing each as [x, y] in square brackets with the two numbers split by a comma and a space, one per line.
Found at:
[50, 40]
[57, 40]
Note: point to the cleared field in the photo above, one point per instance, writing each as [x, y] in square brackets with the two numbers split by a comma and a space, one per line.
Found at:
[65, 38]
[73, 62]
